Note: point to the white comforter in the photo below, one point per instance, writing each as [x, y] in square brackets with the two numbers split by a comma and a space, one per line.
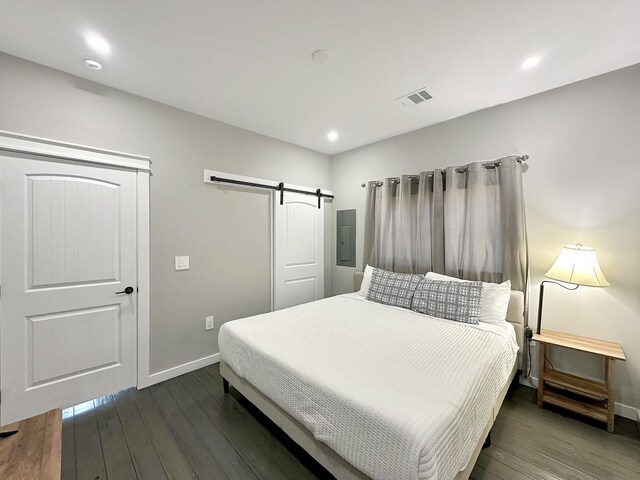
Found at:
[398, 395]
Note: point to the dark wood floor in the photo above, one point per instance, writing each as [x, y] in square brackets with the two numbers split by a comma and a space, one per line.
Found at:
[186, 428]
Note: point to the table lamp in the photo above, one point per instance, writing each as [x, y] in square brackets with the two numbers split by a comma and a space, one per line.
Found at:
[577, 265]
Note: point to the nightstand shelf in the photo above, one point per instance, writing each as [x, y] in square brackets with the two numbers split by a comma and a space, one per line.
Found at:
[588, 410]
[586, 397]
[584, 386]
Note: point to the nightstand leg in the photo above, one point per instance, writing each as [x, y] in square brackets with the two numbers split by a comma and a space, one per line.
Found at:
[541, 349]
[611, 399]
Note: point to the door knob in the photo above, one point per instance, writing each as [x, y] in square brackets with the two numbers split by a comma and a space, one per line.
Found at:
[128, 291]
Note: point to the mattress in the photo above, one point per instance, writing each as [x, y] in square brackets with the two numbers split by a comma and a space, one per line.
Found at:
[397, 394]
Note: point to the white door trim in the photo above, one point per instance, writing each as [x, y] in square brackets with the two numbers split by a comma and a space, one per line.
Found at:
[144, 278]
[44, 147]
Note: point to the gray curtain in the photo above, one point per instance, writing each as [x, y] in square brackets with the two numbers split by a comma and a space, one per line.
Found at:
[399, 223]
[465, 222]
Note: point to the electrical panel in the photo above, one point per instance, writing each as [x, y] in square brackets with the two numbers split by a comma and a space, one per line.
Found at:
[346, 238]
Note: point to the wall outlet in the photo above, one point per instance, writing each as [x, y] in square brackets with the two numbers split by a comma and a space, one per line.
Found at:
[182, 263]
[528, 332]
[209, 323]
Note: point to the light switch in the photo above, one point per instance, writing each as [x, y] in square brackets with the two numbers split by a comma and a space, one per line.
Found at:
[182, 263]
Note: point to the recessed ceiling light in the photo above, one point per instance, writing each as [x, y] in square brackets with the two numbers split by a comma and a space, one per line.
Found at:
[332, 136]
[531, 62]
[97, 43]
[92, 64]
[320, 56]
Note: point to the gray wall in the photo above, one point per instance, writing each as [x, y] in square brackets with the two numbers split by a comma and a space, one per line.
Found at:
[224, 231]
[582, 185]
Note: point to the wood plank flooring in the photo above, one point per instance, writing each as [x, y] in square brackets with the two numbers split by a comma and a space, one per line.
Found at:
[34, 450]
[187, 428]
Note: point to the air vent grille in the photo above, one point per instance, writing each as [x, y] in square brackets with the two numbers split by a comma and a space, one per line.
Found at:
[414, 98]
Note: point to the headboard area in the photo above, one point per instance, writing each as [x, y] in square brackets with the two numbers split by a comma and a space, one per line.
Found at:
[357, 280]
[515, 313]
[515, 316]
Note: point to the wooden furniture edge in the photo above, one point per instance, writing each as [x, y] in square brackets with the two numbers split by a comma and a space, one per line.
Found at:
[583, 344]
[35, 451]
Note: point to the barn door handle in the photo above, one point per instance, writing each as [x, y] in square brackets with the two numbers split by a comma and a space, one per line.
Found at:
[128, 291]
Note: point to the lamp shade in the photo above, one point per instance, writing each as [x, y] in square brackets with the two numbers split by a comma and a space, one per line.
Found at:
[578, 265]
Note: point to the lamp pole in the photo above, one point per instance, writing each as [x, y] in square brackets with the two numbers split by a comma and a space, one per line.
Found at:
[540, 298]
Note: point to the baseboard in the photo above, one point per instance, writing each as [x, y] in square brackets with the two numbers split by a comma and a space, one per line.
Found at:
[626, 411]
[533, 381]
[179, 370]
[528, 382]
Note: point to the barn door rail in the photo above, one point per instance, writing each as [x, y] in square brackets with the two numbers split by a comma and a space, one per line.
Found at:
[215, 177]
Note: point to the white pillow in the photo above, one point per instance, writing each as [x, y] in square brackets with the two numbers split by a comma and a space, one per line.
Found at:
[366, 281]
[495, 298]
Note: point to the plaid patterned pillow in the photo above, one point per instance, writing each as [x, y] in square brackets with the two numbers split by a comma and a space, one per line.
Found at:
[392, 288]
[459, 301]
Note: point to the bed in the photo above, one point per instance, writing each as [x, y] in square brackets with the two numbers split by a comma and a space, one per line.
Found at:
[373, 391]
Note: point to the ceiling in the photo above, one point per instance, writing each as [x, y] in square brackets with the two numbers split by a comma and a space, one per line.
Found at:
[248, 62]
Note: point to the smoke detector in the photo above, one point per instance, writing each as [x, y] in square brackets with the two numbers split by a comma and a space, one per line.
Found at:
[414, 98]
[92, 64]
[320, 56]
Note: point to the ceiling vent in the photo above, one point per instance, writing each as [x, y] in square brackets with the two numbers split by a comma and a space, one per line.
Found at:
[414, 98]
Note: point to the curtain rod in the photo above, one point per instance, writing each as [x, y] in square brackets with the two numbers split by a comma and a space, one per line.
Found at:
[490, 164]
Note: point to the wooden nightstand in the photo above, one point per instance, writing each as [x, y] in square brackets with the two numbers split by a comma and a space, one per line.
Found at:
[580, 395]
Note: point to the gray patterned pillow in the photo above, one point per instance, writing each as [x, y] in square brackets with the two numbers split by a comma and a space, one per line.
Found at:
[459, 301]
[393, 288]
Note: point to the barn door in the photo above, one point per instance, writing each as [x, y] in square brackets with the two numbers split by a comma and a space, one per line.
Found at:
[298, 250]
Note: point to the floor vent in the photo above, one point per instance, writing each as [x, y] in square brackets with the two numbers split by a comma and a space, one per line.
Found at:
[414, 98]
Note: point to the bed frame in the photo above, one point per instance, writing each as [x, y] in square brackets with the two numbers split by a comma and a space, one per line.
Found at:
[321, 453]
[324, 455]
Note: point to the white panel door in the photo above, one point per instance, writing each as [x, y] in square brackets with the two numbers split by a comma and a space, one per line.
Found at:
[68, 245]
[298, 250]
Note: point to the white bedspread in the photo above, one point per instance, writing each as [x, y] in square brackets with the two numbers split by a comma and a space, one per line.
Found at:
[397, 394]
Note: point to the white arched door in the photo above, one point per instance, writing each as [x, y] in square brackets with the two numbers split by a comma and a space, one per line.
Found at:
[298, 250]
[68, 261]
